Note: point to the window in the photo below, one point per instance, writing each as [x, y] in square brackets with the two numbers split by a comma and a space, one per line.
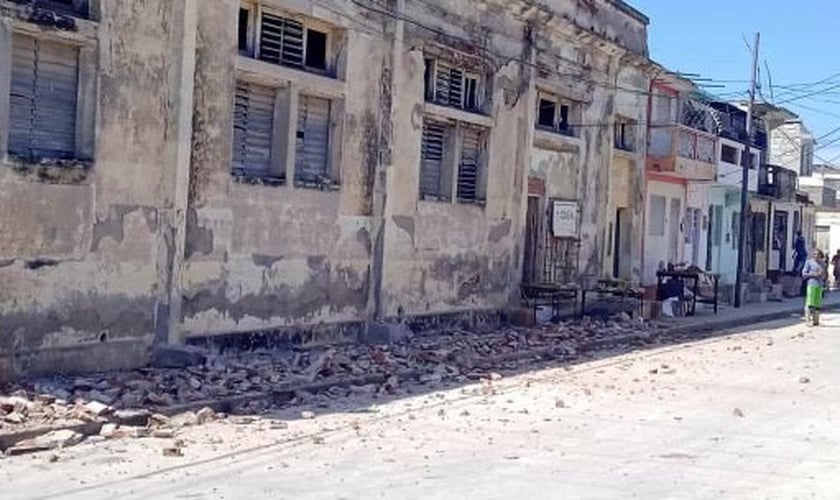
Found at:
[283, 40]
[80, 8]
[43, 99]
[313, 139]
[729, 154]
[448, 85]
[624, 135]
[556, 115]
[435, 180]
[656, 226]
[440, 161]
[243, 34]
[253, 130]
[471, 165]
[262, 121]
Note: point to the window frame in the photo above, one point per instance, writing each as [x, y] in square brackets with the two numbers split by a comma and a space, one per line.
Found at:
[256, 10]
[573, 114]
[283, 155]
[452, 162]
[84, 40]
[738, 154]
[626, 130]
[432, 66]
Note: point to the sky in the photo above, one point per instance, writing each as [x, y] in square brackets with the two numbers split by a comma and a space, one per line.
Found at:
[799, 44]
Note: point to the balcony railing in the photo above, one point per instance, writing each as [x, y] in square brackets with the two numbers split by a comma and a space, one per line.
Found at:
[682, 141]
[777, 182]
[684, 151]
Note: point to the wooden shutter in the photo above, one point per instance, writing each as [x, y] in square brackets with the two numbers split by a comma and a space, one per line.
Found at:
[253, 123]
[44, 88]
[469, 168]
[449, 85]
[281, 40]
[313, 139]
[432, 163]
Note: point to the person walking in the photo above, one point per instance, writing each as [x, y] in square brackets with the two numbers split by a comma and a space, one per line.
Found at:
[800, 252]
[835, 263]
[814, 271]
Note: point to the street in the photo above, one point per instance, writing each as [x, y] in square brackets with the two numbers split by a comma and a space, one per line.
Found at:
[750, 414]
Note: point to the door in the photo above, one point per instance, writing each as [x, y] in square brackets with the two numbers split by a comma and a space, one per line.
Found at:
[532, 238]
[674, 236]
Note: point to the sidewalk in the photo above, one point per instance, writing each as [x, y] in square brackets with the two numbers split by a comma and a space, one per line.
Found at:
[729, 317]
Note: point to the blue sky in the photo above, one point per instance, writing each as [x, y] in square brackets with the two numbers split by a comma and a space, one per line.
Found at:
[799, 42]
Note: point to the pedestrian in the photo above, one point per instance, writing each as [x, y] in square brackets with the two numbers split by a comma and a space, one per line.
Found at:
[835, 262]
[814, 270]
[800, 252]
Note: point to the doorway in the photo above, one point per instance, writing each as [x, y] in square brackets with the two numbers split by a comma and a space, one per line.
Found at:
[532, 238]
[674, 233]
[622, 240]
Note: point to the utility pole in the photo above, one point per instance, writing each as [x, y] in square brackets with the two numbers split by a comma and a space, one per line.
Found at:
[745, 180]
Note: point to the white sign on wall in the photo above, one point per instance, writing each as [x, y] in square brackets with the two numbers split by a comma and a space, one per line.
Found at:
[564, 219]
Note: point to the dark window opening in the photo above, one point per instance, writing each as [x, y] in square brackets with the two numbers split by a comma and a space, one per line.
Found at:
[624, 139]
[244, 28]
[316, 49]
[728, 154]
[545, 117]
[430, 86]
[77, 8]
[471, 95]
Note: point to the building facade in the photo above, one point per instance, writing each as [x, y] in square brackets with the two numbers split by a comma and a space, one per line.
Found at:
[305, 169]
[680, 166]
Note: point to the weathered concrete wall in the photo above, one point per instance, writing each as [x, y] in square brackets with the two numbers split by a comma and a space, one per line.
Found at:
[80, 245]
[627, 169]
[262, 257]
[445, 257]
[156, 241]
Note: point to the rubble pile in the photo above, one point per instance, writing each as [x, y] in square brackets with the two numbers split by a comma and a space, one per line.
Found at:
[355, 369]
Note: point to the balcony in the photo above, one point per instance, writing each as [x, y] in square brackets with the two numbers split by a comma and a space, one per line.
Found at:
[683, 152]
[777, 182]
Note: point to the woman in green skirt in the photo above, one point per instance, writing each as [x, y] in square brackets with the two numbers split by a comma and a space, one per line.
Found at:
[815, 271]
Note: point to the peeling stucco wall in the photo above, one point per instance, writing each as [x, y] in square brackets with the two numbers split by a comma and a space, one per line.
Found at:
[262, 257]
[155, 241]
[80, 281]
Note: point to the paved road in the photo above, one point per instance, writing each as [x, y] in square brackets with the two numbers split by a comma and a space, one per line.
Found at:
[751, 415]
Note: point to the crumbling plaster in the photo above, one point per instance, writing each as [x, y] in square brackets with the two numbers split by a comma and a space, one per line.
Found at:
[134, 247]
[80, 251]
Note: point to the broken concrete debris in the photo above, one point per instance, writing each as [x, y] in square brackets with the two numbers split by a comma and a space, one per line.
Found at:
[121, 404]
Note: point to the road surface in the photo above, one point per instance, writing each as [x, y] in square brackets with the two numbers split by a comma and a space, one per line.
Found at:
[749, 415]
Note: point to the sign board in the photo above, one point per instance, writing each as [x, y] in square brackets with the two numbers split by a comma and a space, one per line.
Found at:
[564, 219]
